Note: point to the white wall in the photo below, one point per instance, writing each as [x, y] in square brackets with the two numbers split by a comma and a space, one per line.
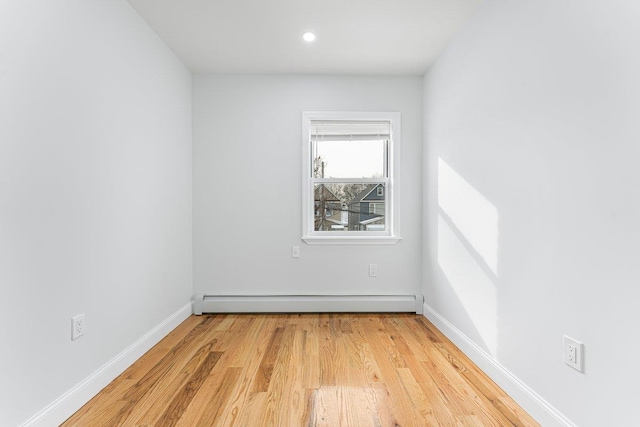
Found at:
[247, 187]
[95, 191]
[532, 204]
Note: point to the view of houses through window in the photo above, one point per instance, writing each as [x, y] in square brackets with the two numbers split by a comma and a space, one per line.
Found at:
[344, 207]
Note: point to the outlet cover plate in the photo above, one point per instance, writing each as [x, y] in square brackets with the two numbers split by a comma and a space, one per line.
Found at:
[77, 326]
[573, 353]
[373, 270]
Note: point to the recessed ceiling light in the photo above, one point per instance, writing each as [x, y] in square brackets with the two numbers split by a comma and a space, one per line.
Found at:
[308, 37]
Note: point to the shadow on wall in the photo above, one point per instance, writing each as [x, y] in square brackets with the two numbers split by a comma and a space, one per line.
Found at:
[468, 252]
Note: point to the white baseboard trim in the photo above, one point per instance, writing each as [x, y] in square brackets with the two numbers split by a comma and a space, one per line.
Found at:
[307, 303]
[541, 410]
[66, 405]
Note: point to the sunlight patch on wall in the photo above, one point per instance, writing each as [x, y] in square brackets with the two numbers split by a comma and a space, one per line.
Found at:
[468, 251]
[474, 288]
[472, 214]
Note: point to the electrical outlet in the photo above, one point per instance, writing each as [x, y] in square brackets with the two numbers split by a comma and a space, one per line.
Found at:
[295, 251]
[373, 270]
[573, 353]
[77, 326]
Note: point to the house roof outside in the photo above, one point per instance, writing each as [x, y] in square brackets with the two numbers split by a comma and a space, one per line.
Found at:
[321, 192]
[364, 193]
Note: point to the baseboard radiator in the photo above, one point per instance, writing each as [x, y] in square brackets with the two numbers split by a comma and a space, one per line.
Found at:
[307, 303]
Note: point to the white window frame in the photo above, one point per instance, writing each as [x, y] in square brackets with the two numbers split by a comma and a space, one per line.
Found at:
[392, 182]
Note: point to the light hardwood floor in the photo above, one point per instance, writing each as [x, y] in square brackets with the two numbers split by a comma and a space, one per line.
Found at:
[303, 370]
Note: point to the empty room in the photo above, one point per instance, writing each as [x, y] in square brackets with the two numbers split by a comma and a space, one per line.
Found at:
[338, 213]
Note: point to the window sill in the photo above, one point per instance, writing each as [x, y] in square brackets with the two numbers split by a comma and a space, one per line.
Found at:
[351, 240]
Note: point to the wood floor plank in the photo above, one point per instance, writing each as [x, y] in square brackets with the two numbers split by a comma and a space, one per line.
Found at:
[384, 406]
[440, 406]
[278, 393]
[253, 409]
[180, 402]
[327, 351]
[237, 339]
[325, 407]
[311, 367]
[303, 370]
[294, 393]
[389, 360]
[248, 361]
[211, 414]
[151, 407]
[361, 367]
[263, 377]
[421, 403]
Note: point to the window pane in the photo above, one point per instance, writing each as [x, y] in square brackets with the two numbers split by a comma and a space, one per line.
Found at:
[349, 207]
[349, 159]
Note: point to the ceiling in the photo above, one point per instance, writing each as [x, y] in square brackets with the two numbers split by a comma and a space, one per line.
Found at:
[265, 36]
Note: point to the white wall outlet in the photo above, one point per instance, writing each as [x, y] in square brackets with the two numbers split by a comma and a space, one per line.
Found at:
[573, 353]
[295, 251]
[373, 270]
[77, 326]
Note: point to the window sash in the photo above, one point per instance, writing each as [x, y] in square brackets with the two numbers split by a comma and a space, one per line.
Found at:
[386, 155]
[374, 181]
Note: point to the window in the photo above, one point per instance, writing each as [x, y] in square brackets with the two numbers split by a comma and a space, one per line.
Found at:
[350, 186]
[376, 208]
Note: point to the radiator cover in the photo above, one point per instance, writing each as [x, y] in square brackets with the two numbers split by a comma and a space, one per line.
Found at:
[307, 303]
